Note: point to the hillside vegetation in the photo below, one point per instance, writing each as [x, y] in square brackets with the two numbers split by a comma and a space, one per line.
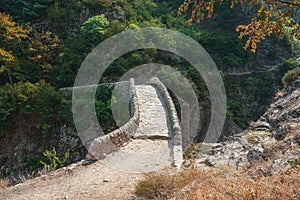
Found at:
[43, 43]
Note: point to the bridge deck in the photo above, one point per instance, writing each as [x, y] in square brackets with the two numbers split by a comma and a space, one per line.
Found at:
[151, 150]
[153, 114]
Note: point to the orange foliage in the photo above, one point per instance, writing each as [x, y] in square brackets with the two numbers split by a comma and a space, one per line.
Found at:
[10, 35]
[271, 17]
[9, 30]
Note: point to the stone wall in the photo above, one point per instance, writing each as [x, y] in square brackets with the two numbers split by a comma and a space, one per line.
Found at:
[104, 145]
[176, 135]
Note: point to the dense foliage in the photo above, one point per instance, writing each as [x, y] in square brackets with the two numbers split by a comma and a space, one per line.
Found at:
[26, 11]
[29, 106]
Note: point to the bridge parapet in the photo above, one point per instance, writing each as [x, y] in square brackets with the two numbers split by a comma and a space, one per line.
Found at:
[109, 143]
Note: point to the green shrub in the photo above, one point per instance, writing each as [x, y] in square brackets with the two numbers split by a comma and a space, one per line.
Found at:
[53, 161]
[103, 107]
[28, 105]
[291, 76]
[288, 65]
[33, 161]
[46, 130]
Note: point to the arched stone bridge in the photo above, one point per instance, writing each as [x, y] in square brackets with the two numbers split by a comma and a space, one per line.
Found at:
[150, 140]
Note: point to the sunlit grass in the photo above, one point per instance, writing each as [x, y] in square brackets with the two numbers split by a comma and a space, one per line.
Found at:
[222, 184]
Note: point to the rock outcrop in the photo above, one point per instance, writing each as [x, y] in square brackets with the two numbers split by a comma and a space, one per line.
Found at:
[273, 142]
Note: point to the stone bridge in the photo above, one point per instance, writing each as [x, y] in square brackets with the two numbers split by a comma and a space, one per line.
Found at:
[150, 140]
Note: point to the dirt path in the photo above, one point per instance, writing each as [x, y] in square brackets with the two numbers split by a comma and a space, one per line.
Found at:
[96, 181]
[112, 178]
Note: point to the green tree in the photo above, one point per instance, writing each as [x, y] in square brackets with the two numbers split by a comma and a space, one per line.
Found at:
[95, 27]
[31, 10]
[43, 56]
[272, 16]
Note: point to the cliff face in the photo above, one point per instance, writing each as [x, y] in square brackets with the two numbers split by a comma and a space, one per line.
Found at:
[21, 151]
[283, 116]
[272, 143]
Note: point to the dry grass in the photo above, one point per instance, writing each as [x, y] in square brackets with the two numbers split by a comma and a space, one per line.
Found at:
[195, 184]
[7, 181]
[161, 185]
[295, 133]
[192, 152]
[4, 183]
[255, 137]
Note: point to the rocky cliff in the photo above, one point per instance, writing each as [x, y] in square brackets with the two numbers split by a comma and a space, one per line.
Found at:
[21, 152]
[271, 144]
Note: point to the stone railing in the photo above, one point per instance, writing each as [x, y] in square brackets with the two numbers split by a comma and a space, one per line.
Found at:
[176, 135]
[109, 143]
